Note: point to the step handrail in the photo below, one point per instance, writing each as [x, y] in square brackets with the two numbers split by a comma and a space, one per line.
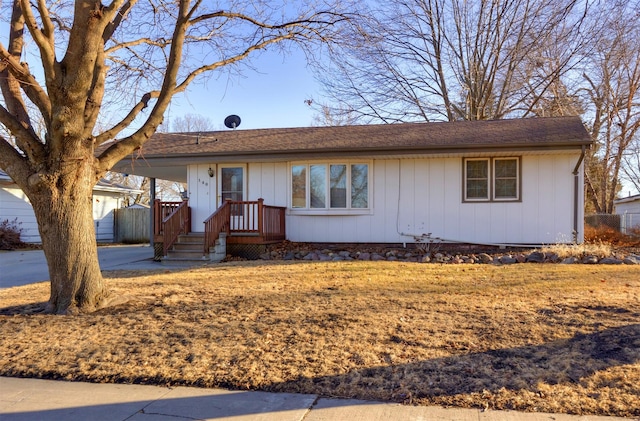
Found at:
[215, 224]
[176, 223]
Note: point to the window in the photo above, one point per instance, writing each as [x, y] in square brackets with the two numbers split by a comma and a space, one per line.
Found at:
[491, 179]
[330, 186]
[299, 186]
[477, 178]
[506, 179]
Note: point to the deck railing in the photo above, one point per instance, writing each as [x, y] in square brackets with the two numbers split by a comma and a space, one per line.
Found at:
[215, 224]
[273, 225]
[161, 210]
[174, 224]
[248, 218]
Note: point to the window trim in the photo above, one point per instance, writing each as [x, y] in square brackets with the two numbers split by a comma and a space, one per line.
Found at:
[491, 180]
[328, 210]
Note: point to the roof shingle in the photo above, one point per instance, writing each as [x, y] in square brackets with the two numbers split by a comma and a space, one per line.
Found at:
[558, 132]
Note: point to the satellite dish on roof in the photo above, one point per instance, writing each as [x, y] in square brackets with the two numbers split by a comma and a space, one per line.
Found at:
[232, 121]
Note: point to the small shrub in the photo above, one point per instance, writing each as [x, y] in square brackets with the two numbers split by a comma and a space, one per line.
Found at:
[610, 236]
[10, 234]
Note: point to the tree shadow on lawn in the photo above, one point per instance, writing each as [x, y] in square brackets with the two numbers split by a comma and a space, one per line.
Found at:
[566, 361]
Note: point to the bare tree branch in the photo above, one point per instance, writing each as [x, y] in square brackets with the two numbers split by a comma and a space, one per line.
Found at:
[44, 39]
[122, 13]
[126, 122]
[28, 82]
[451, 58]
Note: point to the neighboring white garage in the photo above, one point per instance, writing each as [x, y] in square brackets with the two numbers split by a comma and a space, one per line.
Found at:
[629, 210]
[107, 196]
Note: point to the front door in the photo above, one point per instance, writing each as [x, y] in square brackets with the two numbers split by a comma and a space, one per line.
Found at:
[231, 183]
[232, 186]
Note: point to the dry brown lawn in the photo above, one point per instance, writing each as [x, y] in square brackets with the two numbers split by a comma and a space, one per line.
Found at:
[553, 338]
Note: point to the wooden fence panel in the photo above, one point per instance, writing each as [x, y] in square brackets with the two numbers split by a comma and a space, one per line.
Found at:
[132, 225]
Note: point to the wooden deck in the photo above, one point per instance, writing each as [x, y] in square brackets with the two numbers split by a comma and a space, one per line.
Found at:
[245, 222]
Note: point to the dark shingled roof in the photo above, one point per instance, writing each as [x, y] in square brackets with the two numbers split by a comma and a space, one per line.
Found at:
[530, 133]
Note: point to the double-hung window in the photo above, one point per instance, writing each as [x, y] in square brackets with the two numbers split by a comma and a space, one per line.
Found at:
[332, 186]
[491, 179]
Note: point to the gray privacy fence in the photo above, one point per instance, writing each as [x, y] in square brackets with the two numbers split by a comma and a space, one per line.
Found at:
[132, 225]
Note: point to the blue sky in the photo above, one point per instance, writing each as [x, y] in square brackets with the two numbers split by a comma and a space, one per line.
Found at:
[270, 96]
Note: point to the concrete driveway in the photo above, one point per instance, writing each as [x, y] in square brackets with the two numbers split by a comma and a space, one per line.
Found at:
[26, 267]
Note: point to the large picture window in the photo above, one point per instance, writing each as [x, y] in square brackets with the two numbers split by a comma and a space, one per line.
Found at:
[491, 179]
[330, 186]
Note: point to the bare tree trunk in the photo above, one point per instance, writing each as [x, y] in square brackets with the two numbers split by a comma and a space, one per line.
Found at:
[65, 221]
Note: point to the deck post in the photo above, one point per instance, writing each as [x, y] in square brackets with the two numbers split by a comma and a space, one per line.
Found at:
[260, 216]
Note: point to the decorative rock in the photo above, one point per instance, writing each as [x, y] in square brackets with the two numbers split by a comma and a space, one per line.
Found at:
[508, 260]
[551, 258]
[442, 257]
[610, 261]
[535, 257]
[590, 260]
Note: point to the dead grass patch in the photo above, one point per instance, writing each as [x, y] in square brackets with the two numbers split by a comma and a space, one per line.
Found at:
[598, 249]
[552, 338]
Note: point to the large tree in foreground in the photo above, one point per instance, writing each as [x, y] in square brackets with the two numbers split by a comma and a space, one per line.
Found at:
[88, 54]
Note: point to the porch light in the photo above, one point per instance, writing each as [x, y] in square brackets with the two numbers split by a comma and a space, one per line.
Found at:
[211, 173]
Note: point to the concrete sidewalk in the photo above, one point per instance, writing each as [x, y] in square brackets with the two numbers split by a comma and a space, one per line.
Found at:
[32, 399]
